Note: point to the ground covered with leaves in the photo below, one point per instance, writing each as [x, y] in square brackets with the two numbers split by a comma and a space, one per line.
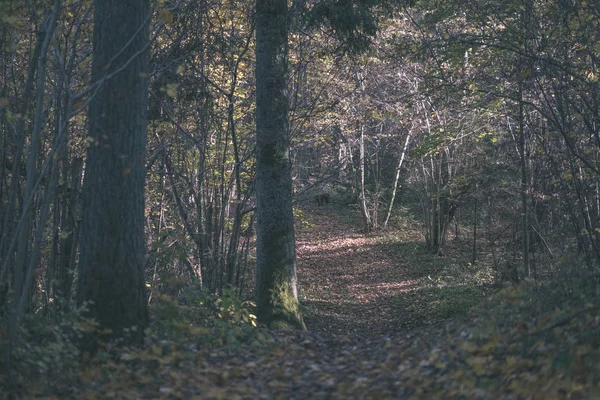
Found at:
[386, 319]
[364, 285]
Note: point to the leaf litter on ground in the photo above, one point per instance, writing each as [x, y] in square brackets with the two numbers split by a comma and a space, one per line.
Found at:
[523, 342]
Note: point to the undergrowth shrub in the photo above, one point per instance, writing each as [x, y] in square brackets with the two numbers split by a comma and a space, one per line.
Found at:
[47, 360]
[214, 320]
[46, 356]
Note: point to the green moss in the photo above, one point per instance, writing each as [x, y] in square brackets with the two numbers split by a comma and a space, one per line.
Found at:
[285, 312]
[276, 301]
[280, 323]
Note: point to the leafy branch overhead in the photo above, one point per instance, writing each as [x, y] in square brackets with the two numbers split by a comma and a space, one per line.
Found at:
[352, 22]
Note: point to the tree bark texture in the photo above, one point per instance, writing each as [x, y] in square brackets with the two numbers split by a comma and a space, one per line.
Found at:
[276, 283]
[111, 270]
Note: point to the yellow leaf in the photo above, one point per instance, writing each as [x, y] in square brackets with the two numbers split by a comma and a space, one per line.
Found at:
[38, 272]
[547, 318]
[511, 362]
[165, 16]
[170, 89]
[166, 299]
[9, 19]
[469, 347]
[487, 348]
[88, 326]
[77, 104]
[196, 330]
[525, 364]
[84, 65]
[156, 350]
[478, 364]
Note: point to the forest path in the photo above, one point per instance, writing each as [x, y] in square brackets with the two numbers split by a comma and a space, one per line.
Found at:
[349, 284]
[361, 295]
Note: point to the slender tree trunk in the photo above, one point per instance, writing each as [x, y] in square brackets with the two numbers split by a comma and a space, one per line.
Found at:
[364, 209]
[25, 263]
[343, 156]
[276, 283]
[111, 270]
[475, 221]
[397, 177]
[524, 188]
[234, 238]
[203, 241]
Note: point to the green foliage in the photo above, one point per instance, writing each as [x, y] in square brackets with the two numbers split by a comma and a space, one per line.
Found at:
[432, 301]
[230, 308]
[46, 356]
[542, 340]
[11, 15]
[431, 144]
[353, 23]
[214, 320]
[302, 220]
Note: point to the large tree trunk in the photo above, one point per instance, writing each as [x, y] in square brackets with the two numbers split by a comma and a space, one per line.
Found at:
[111, 270]
[276, 283]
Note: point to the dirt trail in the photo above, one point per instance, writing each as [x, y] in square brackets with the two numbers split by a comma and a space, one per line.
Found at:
[359, 297]
[348, 284]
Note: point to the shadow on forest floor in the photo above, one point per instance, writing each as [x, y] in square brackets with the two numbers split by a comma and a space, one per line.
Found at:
[365, 291]
[362, 285]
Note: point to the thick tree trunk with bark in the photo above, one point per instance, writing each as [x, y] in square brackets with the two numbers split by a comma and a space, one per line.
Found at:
[276, 284]
[111, 270]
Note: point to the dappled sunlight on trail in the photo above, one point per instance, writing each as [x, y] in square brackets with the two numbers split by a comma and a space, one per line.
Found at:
[349, 285]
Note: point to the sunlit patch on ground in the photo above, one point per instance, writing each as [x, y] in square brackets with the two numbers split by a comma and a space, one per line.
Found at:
[367, 285]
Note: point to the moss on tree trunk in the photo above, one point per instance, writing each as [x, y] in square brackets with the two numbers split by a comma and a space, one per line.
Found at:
[276, 283]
